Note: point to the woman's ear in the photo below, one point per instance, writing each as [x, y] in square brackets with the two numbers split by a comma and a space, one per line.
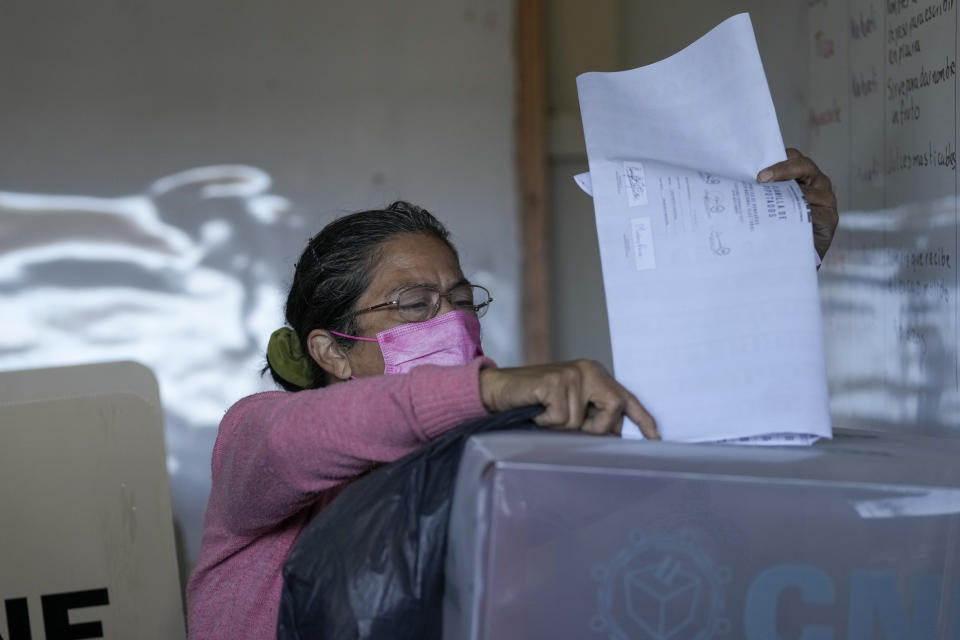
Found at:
[327, 353]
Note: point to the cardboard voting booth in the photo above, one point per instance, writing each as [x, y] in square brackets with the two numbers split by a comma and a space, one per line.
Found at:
[86, 544]
[565, 536]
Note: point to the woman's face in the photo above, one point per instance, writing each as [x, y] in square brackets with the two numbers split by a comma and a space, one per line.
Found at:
[405, 261]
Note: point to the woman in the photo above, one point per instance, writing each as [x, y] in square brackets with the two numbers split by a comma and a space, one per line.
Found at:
[377, 292]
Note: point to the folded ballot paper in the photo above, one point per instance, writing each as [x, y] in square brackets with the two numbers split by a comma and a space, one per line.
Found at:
[710, 277]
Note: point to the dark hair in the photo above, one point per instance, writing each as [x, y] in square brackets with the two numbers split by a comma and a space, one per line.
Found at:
[336, 268]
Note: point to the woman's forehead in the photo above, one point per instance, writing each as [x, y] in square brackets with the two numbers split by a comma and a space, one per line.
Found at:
[414, 259]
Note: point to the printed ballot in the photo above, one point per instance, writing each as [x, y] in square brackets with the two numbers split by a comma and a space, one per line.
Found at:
[710, 277]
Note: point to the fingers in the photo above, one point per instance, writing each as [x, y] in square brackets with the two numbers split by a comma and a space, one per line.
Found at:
[817, 191]
[824, 215]
[553, 396]
[642, 418]
[823, 210]
[796, 167]
[605, 413]
[602, 402]
[609, 417]
[819, 197]
[562, 394]
[576, 404]
[577, 395]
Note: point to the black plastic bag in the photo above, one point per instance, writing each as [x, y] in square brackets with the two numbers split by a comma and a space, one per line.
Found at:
[370, 565]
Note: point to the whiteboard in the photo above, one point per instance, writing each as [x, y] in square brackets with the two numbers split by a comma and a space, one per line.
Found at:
[883, 123]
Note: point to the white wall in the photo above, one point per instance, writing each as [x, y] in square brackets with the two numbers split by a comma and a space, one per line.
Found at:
[306, 110]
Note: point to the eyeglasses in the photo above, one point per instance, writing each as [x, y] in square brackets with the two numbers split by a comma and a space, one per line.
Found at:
[421, 303]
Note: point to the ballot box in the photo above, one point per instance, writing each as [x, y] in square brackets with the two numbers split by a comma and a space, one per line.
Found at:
[570, 536]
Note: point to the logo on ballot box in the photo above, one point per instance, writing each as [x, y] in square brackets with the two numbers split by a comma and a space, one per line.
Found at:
[660, 588]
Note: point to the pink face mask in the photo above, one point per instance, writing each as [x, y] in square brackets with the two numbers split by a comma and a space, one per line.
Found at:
[449, 339]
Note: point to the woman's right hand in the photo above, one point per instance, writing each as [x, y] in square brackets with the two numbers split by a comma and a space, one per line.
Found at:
[579, 395]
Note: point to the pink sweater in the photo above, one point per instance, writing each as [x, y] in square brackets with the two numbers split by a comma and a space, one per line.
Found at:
[281, 457]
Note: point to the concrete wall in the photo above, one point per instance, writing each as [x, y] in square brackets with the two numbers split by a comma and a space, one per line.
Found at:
[612, 35]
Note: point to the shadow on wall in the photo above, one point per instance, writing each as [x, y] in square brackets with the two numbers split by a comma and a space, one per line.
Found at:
[889, 307]
[187, 278]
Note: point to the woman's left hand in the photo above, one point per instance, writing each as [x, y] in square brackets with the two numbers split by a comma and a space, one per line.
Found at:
[817, 190]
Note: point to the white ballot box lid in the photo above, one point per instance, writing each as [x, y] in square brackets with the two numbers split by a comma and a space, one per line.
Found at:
[562, 535]
[87, 545]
